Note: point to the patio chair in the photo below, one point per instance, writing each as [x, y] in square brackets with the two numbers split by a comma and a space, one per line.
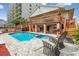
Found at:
[53, 48]
[60, 40]
[50, 48]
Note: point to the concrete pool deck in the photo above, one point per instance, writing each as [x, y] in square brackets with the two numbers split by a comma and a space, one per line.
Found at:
[17, 48]
[22, 48]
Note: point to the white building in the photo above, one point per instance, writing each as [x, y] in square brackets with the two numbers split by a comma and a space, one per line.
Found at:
[21, 10]
[2, 23]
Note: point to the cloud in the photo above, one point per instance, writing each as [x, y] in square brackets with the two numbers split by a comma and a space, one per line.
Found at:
[63, 4]
[1, 6]
[69, 4]
[78, 22]
[76, 16]
[44, 3]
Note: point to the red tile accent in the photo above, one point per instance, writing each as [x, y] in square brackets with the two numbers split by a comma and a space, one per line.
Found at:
[3, 50]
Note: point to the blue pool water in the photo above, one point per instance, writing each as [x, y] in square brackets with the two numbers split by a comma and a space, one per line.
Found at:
[26, 36]
[42, 37]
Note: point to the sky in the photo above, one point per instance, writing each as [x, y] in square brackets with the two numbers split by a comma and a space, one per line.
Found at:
[5, 6]
[4, 10]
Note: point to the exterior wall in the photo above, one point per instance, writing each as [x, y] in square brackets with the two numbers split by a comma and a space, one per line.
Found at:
[14, 11]
[65, 19]
[10, 12]
[2, 23]
[28, 9]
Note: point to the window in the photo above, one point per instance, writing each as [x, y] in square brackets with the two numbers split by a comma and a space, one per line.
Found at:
[62, 27]
[33, 26]
[30, 8]
[30, 12]
[30, 5]
[36, 5]
[48, 28]
[55, 26]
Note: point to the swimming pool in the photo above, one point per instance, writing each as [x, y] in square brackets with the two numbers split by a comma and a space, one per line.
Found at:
[26, 36]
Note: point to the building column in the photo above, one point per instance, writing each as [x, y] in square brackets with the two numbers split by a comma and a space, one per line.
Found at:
[59, 30]
[45, 28]
[36, 28]
[29, 28]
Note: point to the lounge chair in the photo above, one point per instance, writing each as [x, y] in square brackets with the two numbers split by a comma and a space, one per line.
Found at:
[54, 49]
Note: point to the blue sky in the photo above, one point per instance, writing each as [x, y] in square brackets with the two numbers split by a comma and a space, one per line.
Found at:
[4, 8]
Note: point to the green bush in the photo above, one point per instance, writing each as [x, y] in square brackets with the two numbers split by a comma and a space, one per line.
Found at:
[77, 35]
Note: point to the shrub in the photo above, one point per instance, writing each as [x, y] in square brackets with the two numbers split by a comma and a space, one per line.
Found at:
[77, 35]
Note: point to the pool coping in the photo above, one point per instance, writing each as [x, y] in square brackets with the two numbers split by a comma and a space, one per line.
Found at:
[37, 33]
